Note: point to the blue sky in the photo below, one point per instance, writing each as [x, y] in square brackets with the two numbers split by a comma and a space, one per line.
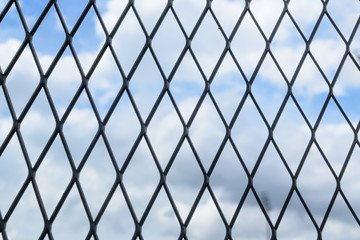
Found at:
[164, 131]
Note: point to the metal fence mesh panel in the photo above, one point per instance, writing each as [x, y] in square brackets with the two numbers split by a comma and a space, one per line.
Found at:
[140, 160]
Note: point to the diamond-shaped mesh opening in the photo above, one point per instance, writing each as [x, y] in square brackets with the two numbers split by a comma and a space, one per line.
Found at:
[105, 83]
[87, 40]
[168, 54]
[21, 82]
[37, 127]
[168, 123]
[247, 44]
[53, 175]
[128, 40]
[187, 85]
[214, 119]
[214, 40]
[184, 180]
[228, 83]
[97, 177]
[51, 31]
[64, 81]
[227, 171]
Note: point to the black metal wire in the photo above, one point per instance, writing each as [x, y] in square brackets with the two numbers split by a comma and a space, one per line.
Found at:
[118, 183]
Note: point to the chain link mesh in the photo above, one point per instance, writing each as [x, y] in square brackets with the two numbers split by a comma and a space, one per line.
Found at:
[206, 169]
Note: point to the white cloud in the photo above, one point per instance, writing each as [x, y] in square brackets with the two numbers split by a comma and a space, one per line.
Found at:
[207, 142]
[5, 118]
[189, 12]
[164, 132]
[2, 3]
[328, 53]
[79, 130]
[11, 161]
[150, 12]
[345, 18]
[304, 16]
[26, 220]
[336, 229]
[53, 176]
[251, 223]
[296, 226]
[298, 8]
[233, 12]
[9, 47]
[348, 78]
[5, 126]
[36, 130]
[267, 13]
[111, 15]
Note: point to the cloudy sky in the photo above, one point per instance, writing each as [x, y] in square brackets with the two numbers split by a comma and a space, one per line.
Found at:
[333, 62]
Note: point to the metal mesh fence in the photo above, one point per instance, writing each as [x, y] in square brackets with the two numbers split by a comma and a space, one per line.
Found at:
[133, 167]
